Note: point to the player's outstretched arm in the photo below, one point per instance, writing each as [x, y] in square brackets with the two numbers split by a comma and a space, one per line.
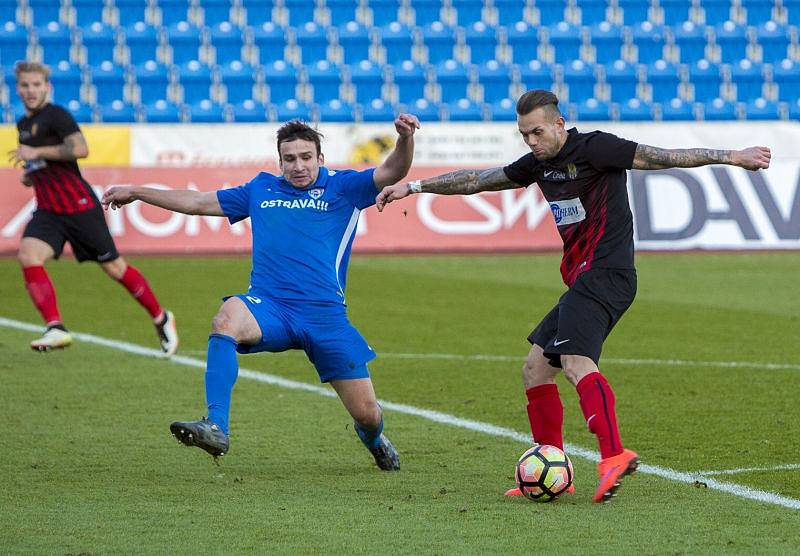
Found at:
[73, 148]
[460, 182]
[396, 165]
[177, 200]
[654, 158]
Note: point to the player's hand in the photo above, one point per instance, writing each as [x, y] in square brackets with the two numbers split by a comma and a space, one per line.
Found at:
[392, 193]
[117, 196]
[406, 124]
[22, 154]
[752, 158]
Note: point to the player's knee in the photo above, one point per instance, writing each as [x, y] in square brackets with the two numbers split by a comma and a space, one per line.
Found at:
[28, 258]
[222, 323]
[576, 367]
[368, 415]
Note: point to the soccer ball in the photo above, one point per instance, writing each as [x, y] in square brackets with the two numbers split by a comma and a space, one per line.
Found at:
[543, 473]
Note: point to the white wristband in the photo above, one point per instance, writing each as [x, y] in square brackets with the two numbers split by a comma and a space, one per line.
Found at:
[414, 186]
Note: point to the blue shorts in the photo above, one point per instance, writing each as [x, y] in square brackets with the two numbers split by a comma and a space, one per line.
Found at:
[332, 344]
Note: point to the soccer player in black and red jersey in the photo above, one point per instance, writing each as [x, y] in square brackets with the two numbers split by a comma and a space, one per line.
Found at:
[583, 177]
[50, 143]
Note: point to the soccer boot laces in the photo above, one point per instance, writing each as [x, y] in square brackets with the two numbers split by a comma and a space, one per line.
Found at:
[203, 434]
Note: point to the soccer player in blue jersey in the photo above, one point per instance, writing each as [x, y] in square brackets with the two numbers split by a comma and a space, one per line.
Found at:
[303, 224]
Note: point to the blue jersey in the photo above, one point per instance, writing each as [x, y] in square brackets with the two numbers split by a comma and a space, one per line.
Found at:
[301, 237]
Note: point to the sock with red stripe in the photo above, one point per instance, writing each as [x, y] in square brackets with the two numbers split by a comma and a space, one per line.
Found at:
[138, 287]
[597, 402]
[42, 293]
[546, 414]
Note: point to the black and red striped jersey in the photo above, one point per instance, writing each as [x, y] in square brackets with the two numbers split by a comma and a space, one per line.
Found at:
[585, 184]
[58, 184]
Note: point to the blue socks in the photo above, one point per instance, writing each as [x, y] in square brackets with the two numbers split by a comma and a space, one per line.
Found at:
[222, 368]
[372, 437]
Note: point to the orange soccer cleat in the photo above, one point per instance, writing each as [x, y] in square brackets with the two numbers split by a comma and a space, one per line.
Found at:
[611, 471]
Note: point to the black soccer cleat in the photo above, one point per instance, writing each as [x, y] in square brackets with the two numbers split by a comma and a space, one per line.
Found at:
[203, 434]
[386, 456]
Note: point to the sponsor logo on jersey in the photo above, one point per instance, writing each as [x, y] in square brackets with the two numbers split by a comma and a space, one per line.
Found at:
[316, 193]
[568, 211]
[296, 204]
[555, 175]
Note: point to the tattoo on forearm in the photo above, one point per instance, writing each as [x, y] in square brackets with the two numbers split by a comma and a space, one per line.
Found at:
[654, 158]
[466, 182]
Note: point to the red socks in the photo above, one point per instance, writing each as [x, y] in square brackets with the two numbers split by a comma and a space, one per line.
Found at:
[42, 293]
[597, 402]
[136, 284]
[546, 414]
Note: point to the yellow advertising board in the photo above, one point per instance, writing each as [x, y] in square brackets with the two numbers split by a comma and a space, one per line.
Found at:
[109, 145]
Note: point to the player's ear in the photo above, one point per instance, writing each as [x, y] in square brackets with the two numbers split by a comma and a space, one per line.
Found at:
[321, 159]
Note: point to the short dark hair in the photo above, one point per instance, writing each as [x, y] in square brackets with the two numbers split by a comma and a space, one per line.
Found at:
[538, 98]
[296, 129]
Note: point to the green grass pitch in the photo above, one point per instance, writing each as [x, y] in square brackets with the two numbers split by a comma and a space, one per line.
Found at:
[705, 366]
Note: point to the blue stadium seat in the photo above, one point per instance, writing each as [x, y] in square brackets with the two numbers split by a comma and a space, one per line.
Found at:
[384, 12]
[607, 40]
[719, 109]
[300, 12]
[467, 11]
[758, 11]
[13, 43]
[580, 79]
[117, 111]
[677, 110]
[633, 11]
[635, 110]
[195, 78]
[271, 42]
[216, 11]
[503, 110]
[8, 12]
[550, 11]
[142, 42]
[649, 40]
[313, 42]
[367, 78]
[56, 41]
[664, 79]
[249, 111]
[410, 81]
[509, 12]
[99, 41]
[325, 78]
[281, 78]
[206, 111]
[464, 110]
[82, 113]
[762, 109]
[732, 40]
[786, 75]
[716, 11]
[566, 39]
[153, 81]
[377, 111]
[130, 11]
[66, 80]
[292, 110]
[794, 109]
[706, 78]
[258, 12]
[592, 11]
[691, 39]
[14, 112]
[227, 41]
[396, 39]
[453, 80]
[675, 11]
[748, 78]
[482, 42]
[425, 110]
[341, 11]
[495, 79]
[774, 41]
[109, 81]
[335, 111]
[239, 80]
[44, 11]
[793, 15]
[87, 12]
[161, 111]
[440, 40]
[425, 11]
[622, 78]
[536, 75]
[591, 110]
[355, 41]
[524, 42]
[184, 38]
[173, 11]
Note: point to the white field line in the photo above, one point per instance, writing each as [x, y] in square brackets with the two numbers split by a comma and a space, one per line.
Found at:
[786, 467]
[435, 416]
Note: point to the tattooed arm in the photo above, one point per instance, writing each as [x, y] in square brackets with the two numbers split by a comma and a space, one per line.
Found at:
[73, 148]
[655, 158]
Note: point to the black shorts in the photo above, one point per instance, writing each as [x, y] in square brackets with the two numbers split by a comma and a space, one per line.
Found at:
[87, 233]
[585, 314]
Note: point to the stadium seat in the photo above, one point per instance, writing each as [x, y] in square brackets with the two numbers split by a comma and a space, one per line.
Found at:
[99, 41]
[66, 81]
[239, 80]
[383, 12]
[453, 80]
[326, 79]
[786, 75]
[184, 38]
[550, 11]
[44, 11]
[792, 16]
[580, 79]
[592, 11]
[271, 42]
[142, 42]
[377, 111]
[716, 11]
[173, 11]
[195, 78]
[706, 78]
[410, 81]
[82, 113]
[55, 40]
[153, 81]
[227, 41]
[719, 109]
[503, 110]
[424, 110]
[566, 40]
[467, 11]
[591, 110]
[161, 111]
[87, 12]
[281, 79]
[622, 78]
[14, 112]
[440, 41]
[762, 109]
[664, 79]
[292, 110]
[313, 42]
[249, 111]
[495, 78]
[341, 11]
[675, 11]
[677, 110]
[355, 40]
[335, 111]
[536, 75]
[732, 40]
[367, 79]
[8, 12]
[757, 11]
[216, 11]
[130, 11]
[634, 11]
[524, 42]
[425, 11]
[463, 110]
[607, 41]
[482, 42]
[774, 41]
[206, 111]
[794, 109]
[691, 39]
[748, 79]
[509, 12]
[397, 41]
[117, 111]
[635, 110]
[258, 12]
[13, 43]
[649, 41]
[109, 82]
[300, 12]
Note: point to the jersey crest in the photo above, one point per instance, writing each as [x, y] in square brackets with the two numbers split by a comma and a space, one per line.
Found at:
[316, 193]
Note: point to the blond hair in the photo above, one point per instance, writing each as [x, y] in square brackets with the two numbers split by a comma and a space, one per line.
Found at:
[32, 67]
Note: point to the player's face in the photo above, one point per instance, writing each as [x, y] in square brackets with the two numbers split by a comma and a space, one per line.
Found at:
[543, 132]
[300, 162]
[33, 89]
